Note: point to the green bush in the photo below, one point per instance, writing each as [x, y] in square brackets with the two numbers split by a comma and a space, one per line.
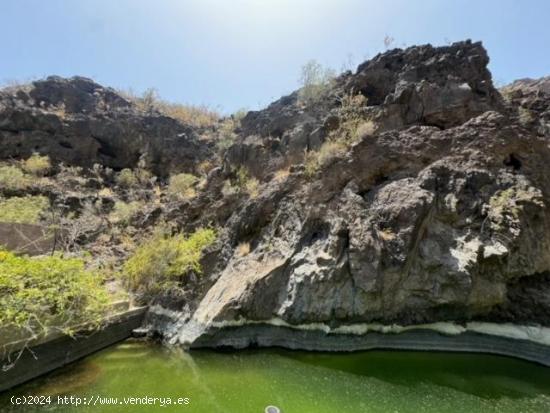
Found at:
[24, 210]
[37, 165]
[163, 259]
[182, 186]
[49, 292]
[13, 178]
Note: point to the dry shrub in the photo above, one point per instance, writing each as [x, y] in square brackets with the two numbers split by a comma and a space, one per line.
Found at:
[252, 187]
[197, 116]
[316, 82]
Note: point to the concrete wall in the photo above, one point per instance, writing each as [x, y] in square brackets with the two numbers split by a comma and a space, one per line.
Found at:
[59, 351]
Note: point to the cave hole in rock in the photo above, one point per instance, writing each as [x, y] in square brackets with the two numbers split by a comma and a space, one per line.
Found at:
[66, 145]
[107, 151]
[318, 230]
[513, 161]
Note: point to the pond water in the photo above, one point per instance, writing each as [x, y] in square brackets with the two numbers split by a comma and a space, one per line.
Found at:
[295, 382]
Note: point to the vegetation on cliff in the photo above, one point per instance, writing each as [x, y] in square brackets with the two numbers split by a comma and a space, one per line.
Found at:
[38, 294]
[163, 259]
[354, 190]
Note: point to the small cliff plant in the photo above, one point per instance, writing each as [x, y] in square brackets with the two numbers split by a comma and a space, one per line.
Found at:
[316, 82]
[242, 183]
[182, 186]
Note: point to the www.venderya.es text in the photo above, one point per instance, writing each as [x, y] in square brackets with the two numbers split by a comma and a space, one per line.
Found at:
[100, 400]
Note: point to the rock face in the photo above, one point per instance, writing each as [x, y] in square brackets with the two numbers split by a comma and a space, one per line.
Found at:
[409, 227]
[78, 122]
[531, 100]
[440, 215]
[438, 211]
[423, 85]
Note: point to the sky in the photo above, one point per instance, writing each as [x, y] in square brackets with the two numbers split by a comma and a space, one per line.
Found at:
[235, 54]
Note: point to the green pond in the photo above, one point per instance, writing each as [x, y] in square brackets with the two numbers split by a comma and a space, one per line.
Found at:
[296, 382]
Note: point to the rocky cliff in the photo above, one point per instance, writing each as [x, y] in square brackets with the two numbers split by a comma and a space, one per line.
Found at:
[78, 122]
[413, 192]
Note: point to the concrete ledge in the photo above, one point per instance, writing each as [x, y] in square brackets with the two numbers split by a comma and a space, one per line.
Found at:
[58, 351]
[263, 335]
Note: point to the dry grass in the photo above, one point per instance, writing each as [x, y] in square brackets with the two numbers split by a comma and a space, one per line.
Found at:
[243, 249]
[226, 135]
[353, 125]
[367, 128]
[281, 174]
[386, 234]
[197, 116]
[36, 165]
[228, 189]
[105, 192]
[149, 101]
[247, 183]
[252, 187]
[60, 111]
[157, 190]
[329, 151]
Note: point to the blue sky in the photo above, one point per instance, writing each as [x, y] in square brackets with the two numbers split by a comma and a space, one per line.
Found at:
[230, 54]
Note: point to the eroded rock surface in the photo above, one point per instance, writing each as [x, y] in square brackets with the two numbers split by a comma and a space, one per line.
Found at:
[440, 215]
